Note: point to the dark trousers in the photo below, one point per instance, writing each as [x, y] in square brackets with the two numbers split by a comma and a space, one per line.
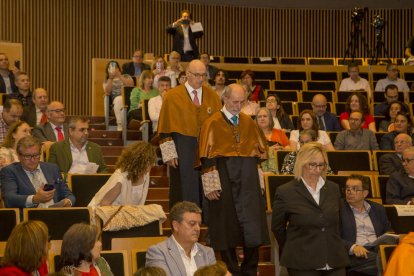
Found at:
[249, 264]
[331, 272]
[188, 56]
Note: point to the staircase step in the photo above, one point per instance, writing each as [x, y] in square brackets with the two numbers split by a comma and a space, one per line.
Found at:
[165, 204]
[105, 134]
[134, 135]
[112, 150]
[107, 141]
[111, 160]
[158, 193]
[97, 127]
[159, 170]
[159, 182]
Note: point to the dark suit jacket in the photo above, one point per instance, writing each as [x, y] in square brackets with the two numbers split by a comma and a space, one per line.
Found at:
[331, 122]
[400, 188]
[378, 218]
[308, 233]
[129, 68]
[29, 115]
[46, 133]
[212, 70]
[286, 123]
[13, 85]
[167, 256]
[61, 155]
[390, 163]
[178, 39]
[16, 185]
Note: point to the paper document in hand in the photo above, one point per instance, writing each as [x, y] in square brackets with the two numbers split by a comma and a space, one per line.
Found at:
[196, 27]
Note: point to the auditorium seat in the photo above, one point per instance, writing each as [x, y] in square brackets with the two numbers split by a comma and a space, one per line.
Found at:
[292, 75]
[408, 76]
[361, 160]
[381, 181]
[376, 76]
[308, 105]
[385, 253]
[341, 181]
[264, 60]
[292, 60]
[346, 61]
[288, 85]
[266, 84]
[411, 99]
[307, 96]
[400, 224]
[265, 75]
[85, 186]
[323, 76]
[340, 107]
[58, 220]
[272, 182]
[378, 61]
[332, 135]
[379, 135]
[138, 259]
[9, 218]
[234, 74]
[379, 96]
[321, 61]
[290, 108]
[280, 156]
[294, 119]
[285, 95]
[243, 60]
[342, 96]
[321, 85]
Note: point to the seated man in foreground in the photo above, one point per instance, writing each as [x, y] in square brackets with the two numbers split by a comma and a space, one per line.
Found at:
[31, 183]
[364, 224]
[181, 254]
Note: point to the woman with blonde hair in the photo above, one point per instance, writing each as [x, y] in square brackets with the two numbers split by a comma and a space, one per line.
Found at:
[306, 212]
[129, 184]
[26, 250]
[8, 152]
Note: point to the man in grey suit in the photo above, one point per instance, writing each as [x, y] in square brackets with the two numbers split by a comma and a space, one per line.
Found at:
[55, 129]
[392, 162]
[181, 254]
[31, 183]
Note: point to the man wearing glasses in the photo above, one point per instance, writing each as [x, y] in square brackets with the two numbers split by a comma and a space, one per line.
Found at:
[183, 111]
[31, 183]
[400, 186]
[326, 120]
[136, 66]
[363, 223]
[391, 162]
[392, 78]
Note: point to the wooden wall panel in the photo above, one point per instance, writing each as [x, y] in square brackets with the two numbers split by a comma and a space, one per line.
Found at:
[60, 38]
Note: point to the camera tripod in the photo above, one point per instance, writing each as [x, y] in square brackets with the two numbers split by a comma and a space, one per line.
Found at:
[379, 48]
[354, 42]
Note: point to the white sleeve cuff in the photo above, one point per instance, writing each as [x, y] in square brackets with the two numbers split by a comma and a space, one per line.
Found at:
[211, 181]
[29, 201]
[261, 178]
[168, 151]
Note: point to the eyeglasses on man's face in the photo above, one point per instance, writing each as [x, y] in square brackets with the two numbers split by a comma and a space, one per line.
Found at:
[197, 75]
[30, 156]
[353, 189]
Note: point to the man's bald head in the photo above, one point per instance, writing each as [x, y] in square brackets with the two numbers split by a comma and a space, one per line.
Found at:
[402, 141]
[319, 104]
[234, 97]
[196, 73]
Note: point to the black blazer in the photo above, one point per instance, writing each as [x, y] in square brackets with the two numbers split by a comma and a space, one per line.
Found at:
[308, 233]
[3, 84]
[178, 39]
[129, 68]
[378, 218]
[29, 115]
[389, 163]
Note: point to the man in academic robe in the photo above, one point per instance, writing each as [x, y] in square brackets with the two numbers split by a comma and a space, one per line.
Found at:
[183, 111]
[231, 149]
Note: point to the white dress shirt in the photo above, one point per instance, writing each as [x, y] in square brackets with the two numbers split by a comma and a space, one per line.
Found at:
[189, 262]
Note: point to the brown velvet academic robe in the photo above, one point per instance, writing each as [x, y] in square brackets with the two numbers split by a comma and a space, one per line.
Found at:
[180, 120]
[238, 217]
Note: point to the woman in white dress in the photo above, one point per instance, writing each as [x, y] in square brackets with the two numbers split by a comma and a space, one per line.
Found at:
[129, 184]
[307, 120]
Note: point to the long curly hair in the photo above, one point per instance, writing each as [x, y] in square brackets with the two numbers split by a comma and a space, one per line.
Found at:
[135, 160]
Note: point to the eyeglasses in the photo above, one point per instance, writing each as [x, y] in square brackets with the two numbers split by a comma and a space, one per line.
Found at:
[270, 101]
[401, 142]
[198, 76]
[352, 189]
[319, 106]
[353, 119]
[57, 110]
[314, 165]
[30, 156]
[407, 160]
[137, 56]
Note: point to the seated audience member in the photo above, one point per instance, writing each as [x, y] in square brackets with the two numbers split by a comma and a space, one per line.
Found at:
[392, 78]
[12, 112]
[355, 82]
[55, 129]
[154, 104]
[394, 107]
[363, 222]
[77, 154]
[24, 182]
[210, 69]
[390, 95]
[174, 65]
[182, 78]
[276, 139]
[136, 66]
[112, 85]
[326, 120]
[305, 136]
[400, 185]
[356, 138]
[281, 119]
[150, 271]
[391, 162]
[24, 95]
[357, 102]
[7, 82]
[181, 254]
[402, 124]
[217, 269]
[26, 250]
[8, 153]
[130, 181]
[254, 90]
[249, 107]
[144, 91]
[307, 120]
[401, 262]
[35, 114]
[159, 69]
[81, 252]
[220, 79]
